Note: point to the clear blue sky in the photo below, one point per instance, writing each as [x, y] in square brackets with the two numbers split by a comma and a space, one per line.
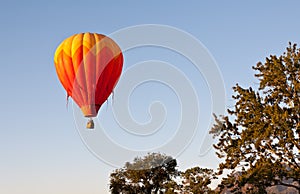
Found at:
[41, 150]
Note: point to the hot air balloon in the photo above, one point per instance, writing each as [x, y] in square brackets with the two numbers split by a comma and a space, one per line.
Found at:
[88, 66]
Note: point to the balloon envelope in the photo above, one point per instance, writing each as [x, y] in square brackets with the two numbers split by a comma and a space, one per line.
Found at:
[88, 66]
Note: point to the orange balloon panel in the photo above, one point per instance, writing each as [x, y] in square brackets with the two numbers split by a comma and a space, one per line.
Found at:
[88, 65]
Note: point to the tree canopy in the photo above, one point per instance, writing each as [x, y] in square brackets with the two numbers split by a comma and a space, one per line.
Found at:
[260, 136]
[157, 173]
[150, 174]
[196, 180]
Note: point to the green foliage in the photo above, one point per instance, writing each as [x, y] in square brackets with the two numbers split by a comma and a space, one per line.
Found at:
[157, 173]
[196, 180]
[261, 133]
[150, 174]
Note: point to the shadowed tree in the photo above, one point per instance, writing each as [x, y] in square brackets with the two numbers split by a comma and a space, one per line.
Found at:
[261, 132]
[150, 174]
[196, 180]
[156, 173]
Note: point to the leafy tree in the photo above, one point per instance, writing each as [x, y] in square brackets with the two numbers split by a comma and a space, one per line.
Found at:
[252, 180]
[196, 180]
[260, 135]
[150, 174]
[157, 173]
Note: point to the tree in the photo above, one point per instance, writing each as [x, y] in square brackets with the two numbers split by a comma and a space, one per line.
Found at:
[196, 180]
[157, 173]
[260, 135]
[150, 174]
[252, 180]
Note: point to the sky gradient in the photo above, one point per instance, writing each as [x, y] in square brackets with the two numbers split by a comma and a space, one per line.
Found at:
[41, 150]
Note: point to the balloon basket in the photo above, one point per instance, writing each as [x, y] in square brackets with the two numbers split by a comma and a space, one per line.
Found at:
[90, 124]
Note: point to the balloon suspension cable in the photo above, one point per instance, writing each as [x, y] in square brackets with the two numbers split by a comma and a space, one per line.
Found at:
[90, 124]
[67, 103]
